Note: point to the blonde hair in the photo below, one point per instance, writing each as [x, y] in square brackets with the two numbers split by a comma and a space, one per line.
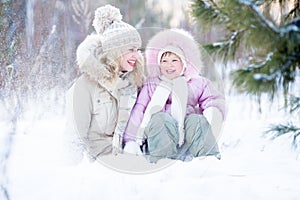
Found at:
[111, 60]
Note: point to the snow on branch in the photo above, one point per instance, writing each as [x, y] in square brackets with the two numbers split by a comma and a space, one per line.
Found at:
[264, 77]
[262, 64]
[262, 18]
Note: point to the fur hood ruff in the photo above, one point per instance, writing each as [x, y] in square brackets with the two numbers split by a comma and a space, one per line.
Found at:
[88, 55]
[174, 37]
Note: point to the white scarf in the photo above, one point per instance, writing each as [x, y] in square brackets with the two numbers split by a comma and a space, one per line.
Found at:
[179, 90]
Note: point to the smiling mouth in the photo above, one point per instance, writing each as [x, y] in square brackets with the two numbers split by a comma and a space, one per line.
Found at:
[131, 62]
[170, 71]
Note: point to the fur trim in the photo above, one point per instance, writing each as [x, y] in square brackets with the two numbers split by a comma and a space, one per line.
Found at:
[93, 61]
[88, 59]
[178, 38]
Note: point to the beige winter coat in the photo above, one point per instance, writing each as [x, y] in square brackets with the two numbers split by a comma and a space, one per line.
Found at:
[100, 100]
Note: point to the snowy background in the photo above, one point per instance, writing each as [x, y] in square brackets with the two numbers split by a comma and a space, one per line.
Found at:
[252, 165]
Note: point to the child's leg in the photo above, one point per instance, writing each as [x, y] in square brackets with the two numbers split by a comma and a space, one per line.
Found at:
[199, 140]
[162, 137]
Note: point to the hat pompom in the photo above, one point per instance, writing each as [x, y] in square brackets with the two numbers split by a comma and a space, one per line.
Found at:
[105, 16]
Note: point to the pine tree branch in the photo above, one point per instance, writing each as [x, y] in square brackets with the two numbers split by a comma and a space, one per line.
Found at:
[276, 50]
[208, 13]
[295, 11]
[256, 10]
[294, 103]
[281, 129]
[213, 3]
[295, 143]
[227, 48]
[277, 130]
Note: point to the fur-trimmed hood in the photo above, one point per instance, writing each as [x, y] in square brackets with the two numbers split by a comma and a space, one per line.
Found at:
[174, 37]
[91, 61]
[88, 57]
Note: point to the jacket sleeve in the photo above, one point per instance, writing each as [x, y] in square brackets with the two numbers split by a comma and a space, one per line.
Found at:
[212, 104]
[79, 102]
[209, 96]
[137, 115]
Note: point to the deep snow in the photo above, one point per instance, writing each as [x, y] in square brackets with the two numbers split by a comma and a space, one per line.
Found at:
[252, 166]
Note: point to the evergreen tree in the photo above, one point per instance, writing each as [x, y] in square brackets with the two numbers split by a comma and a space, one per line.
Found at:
[271, 37]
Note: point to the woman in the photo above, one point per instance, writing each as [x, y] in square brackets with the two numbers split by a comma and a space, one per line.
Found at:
[100, 100]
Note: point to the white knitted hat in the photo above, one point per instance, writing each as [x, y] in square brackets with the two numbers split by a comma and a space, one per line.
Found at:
[116, 33]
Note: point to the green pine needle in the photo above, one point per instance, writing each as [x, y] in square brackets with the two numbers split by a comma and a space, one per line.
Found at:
[280, 129]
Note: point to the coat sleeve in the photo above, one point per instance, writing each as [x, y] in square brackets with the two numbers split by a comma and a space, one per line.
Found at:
[209, 96]
[212, 103]
[79, 102]
[75, 128]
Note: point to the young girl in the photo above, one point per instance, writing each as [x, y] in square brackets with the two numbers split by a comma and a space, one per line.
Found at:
[100, 100]
[173, 108]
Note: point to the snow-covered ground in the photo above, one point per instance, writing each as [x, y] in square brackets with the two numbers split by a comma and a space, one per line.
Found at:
[252, 166]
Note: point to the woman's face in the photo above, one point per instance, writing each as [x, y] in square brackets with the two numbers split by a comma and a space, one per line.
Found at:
[170, 65]
[130, 55]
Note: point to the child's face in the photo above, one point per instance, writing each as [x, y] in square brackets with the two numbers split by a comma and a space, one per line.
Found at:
[170, 65]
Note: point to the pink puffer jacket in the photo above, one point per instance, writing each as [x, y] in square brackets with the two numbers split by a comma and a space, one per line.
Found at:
[201, 92]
